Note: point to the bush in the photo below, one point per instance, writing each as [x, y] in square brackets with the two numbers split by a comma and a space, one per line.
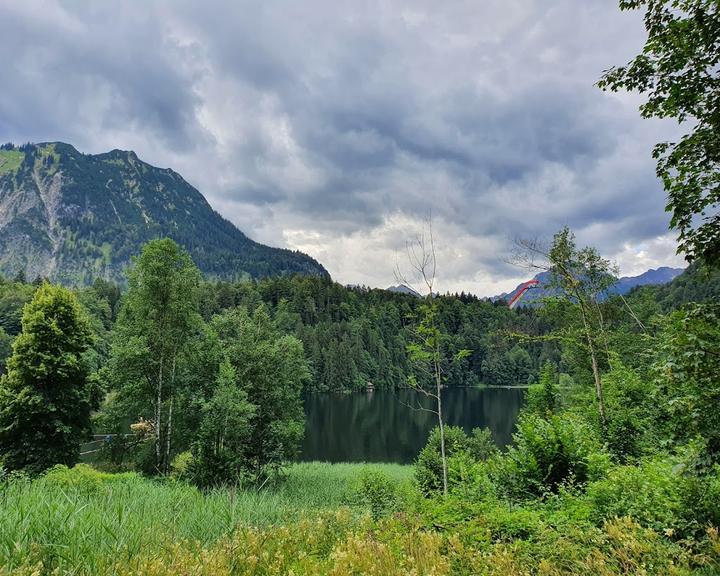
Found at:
[480, 444]
[463, 453]
[428, 467]
[701, 502]
[650, 494]
[82, 478]
[549, 453]
[180, 466]
[216, 469]
[376, 491]
[542, 398]
[631, 407]
[688, 372]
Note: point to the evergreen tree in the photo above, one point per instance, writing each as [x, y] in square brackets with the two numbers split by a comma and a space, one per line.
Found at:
[5, 348]
[45, 397]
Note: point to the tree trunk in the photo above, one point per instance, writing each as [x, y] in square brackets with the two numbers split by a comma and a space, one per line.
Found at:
[158, 413]
[596, 371]
[443, 455]
[169, 434]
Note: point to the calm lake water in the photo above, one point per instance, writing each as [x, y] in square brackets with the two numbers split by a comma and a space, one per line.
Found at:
[380, 427]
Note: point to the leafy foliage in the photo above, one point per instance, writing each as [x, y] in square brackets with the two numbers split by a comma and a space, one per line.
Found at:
[376, 491]
[463, 453]
[152, 337]
[225, 428]
[125, 524]
[679, 71]
[688, 370]
[262, 382]
[549, 453]
[543, 398]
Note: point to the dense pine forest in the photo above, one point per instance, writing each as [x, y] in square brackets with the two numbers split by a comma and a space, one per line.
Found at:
[355, 337]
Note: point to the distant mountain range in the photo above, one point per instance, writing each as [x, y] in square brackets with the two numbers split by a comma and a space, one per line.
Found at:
[72, 217]
[661, 275]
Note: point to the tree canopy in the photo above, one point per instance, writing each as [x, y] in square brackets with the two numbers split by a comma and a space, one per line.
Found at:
[46, 396]
[679, 72]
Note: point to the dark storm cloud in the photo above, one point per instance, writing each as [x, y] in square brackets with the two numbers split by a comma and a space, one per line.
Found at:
[85, 63]
[337, 126]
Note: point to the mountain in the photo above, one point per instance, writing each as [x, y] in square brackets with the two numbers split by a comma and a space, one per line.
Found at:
[72, 217]
[402, 289]
[625, 284]
[652, 277]
[695, 284]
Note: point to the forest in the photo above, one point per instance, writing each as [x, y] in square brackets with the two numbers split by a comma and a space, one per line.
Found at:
[353, 336]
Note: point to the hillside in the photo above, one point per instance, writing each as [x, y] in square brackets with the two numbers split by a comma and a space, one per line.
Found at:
[72, 217]
[695, 284]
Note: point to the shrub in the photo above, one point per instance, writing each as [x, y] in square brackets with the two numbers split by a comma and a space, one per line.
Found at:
[630, 407]
[180, 465]
[565, 380]
[688, 372]
[700, 505]
[650, 494]
[549, 453]
[480, 444]
[463, 453]
[542, 398]
[428, 467]
[376, 491]
[82, 478]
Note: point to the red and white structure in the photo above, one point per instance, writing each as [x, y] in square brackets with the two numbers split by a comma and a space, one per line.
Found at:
[521, 291]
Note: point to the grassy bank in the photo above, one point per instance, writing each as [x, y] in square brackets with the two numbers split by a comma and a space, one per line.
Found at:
[84, 521]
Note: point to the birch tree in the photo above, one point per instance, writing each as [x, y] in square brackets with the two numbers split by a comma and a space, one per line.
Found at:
[159, 315]
[579, 277]
[425, 352]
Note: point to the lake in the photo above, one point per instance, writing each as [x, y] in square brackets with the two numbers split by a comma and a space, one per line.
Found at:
[379, 426]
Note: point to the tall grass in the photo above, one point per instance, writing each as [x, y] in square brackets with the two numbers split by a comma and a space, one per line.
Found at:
[84, 521]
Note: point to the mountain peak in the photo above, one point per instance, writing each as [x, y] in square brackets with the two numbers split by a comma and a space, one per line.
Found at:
[402, 289]
[72, 217]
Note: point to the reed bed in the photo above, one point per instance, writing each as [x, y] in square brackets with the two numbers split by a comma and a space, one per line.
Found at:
[82, 521]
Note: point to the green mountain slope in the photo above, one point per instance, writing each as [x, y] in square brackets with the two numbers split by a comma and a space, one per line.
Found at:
[71, 217]
[695, 284]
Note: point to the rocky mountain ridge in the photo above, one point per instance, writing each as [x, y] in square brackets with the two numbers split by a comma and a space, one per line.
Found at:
[72, 217]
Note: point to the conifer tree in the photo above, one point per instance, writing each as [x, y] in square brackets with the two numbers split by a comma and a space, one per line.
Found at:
[46, 397]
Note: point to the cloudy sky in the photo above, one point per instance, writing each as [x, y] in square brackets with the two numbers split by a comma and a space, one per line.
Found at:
[337, 127]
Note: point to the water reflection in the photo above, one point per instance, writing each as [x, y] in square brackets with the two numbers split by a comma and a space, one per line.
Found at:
[380, 427]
